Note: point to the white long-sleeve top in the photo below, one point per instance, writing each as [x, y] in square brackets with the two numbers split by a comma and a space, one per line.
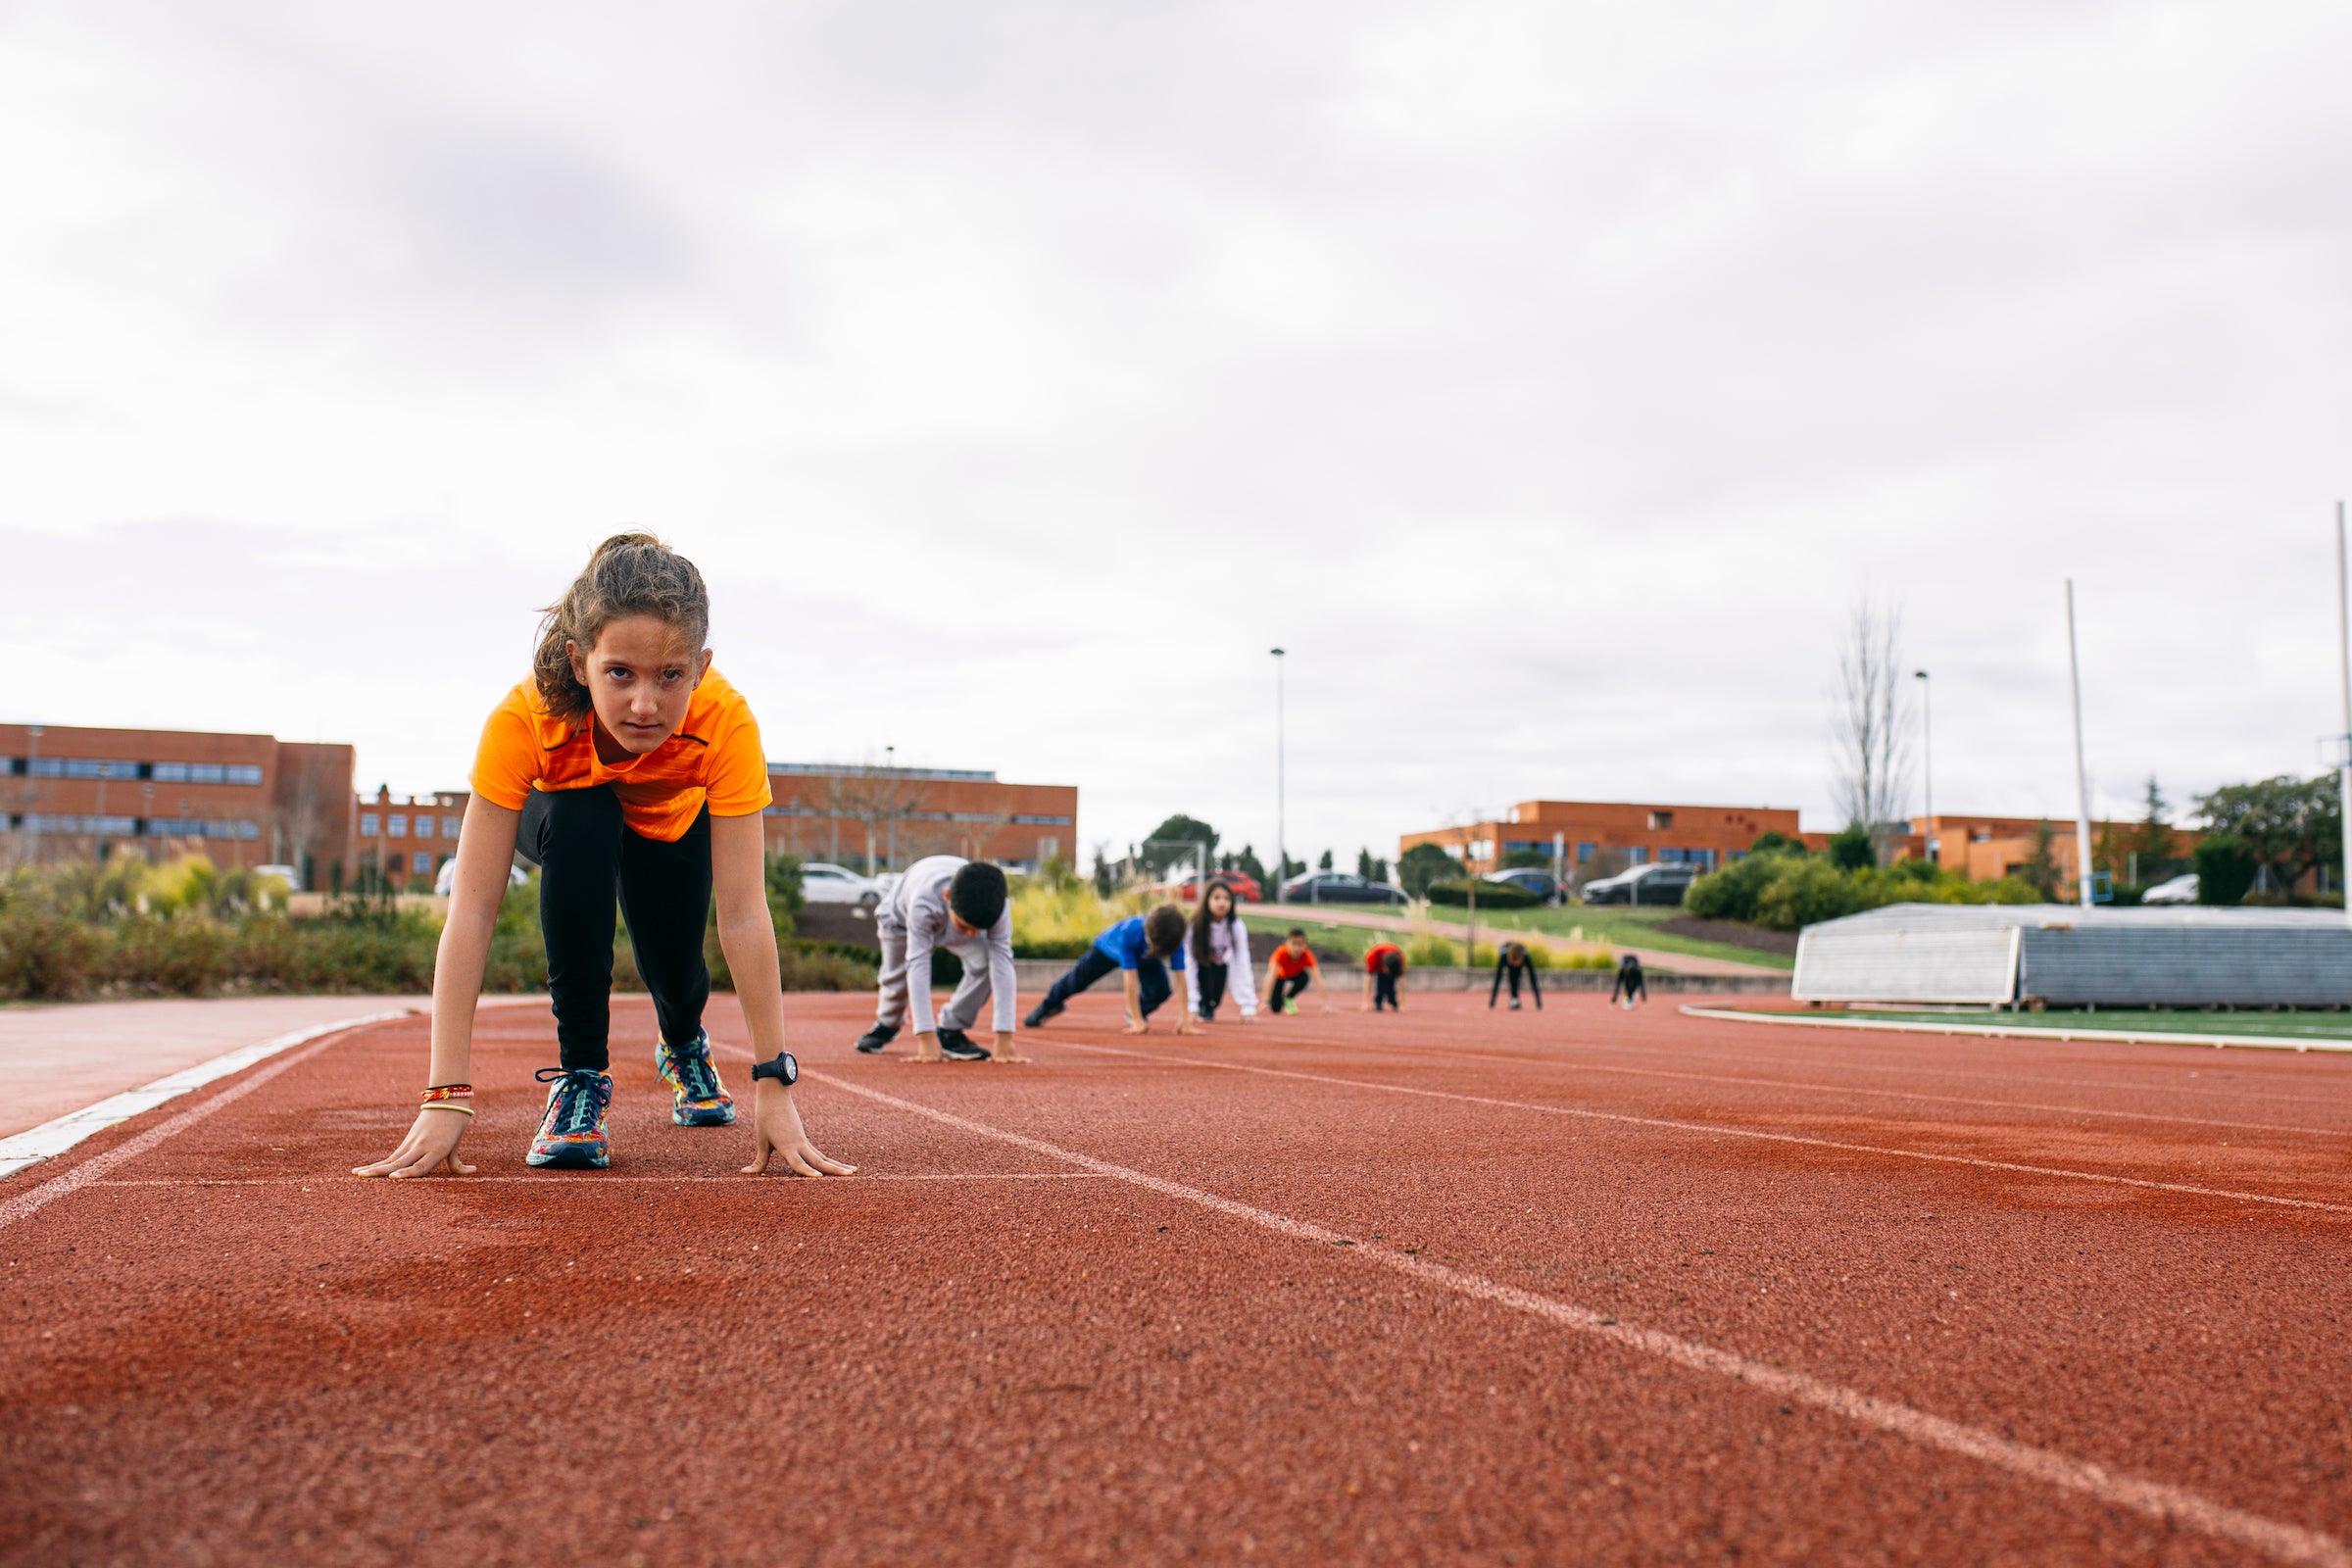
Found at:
[918, 906]
[1229, 945]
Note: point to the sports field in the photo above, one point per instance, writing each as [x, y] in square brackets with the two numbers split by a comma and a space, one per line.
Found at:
[1455, 1285]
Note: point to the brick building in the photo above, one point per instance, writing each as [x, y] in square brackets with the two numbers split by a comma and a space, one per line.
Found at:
[1986, 848]
[890, 817]
[406, 836]
[1595, 838]
[74, 792]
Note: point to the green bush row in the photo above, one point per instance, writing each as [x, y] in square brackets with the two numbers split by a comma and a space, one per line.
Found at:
[1490, 895]
[1787, 891]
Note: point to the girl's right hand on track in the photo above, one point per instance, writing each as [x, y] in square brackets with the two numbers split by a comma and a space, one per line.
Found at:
[432, 1145]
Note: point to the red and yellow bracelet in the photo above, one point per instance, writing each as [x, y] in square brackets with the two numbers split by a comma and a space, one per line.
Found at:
[445, 1096]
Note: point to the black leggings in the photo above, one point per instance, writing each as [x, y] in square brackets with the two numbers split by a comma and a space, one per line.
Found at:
[1384, 991]
[1515, 971]
[587, 854]
[1211, 981]
[1287, 987]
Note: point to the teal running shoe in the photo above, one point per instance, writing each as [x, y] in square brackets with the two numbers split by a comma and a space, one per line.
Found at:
[697, 1098]
[572, 1134]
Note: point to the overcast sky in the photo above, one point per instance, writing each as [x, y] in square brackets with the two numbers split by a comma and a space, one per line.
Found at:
[1547, 378]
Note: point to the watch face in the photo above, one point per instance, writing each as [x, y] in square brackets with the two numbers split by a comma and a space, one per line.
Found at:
[792, 1069]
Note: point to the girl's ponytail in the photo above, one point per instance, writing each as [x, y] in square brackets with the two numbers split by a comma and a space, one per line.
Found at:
[630, 574]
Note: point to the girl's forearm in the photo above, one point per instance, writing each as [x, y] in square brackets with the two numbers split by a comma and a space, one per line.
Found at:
[749, 939]
[459, 959]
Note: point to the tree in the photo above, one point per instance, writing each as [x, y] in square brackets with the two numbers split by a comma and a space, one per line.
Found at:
[1851, 848]
[1248, 864]
[1371, 867]
[2289, 825]
[1106, 881]
[1423, 865]
[1171, 843]
[1324, 864]
[1531, 859]
[1869, 782]
[2154, 842]
[2040, 871]
[1774, 839]
[2225, 868]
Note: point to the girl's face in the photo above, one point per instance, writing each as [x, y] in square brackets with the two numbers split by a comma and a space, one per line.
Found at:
[639, 679]
[1220, 903]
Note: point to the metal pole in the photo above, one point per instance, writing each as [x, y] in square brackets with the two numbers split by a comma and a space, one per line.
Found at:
[2074, 668]
[1282, 828]
[1927, 734]
[2344, 632]
[32, 795]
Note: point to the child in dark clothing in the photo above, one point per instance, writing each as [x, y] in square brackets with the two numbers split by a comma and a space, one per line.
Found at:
[1514, 963]
[1383, 966]
[1143, 948]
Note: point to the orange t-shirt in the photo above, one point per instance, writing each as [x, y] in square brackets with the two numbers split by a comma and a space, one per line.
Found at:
[1290, 965]
[715, 757]
[1373, 956]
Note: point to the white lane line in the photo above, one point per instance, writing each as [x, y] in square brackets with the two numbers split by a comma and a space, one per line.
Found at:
[90, 1171]
[1881, 1094]
[1994, 1031]
[575, 1180]
[53, 1138]
[1759, 1136]
[2173, 1505]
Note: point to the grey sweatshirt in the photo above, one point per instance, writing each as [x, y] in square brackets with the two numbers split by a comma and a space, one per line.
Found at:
[918, 908]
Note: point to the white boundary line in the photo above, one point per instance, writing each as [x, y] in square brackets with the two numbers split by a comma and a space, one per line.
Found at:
[53, 1138]
[91, 1170]
[1714, 1131]
[576, 1180]
[2173, 1505]
[2158, 1037]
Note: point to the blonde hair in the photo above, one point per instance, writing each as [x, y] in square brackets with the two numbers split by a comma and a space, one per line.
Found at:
[630, 574]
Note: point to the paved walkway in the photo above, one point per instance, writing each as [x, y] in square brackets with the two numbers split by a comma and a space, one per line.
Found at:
[1382, 920]
[57, 1057]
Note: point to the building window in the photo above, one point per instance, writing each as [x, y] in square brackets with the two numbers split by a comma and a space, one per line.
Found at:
[422, 862]
[1586, 852]
[1659, 820]
[370, 824]
[1637, 856]
[1048, 849]
[398, 825]
[448, 827]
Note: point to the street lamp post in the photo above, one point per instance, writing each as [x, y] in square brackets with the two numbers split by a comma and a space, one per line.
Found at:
[1927, 740]
[2343, 636]
[2073, 672]
[32, 795]
[1282, 826]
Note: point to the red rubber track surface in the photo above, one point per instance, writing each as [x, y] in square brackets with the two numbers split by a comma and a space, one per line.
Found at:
[226, 1350]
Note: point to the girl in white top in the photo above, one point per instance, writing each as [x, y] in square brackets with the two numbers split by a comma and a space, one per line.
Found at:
[1221, 953]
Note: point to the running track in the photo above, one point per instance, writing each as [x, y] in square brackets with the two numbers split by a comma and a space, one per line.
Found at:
[1451, 1287]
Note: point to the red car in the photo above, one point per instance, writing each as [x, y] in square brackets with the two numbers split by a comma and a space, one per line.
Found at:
[1245, 886]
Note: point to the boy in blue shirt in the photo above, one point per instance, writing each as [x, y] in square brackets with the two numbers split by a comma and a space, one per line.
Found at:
[1143, 948]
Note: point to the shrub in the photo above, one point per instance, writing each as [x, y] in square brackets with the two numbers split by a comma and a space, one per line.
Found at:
[1803, 892]
[1853, 851]
[2225, 870]
[1428, 949]
[1731, 893]
[1423, 865]
[1060, 922]
[1490, 895]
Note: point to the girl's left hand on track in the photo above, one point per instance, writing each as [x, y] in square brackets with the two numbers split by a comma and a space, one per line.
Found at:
[776, 1133]
[1186, 1026]
[432, 1145]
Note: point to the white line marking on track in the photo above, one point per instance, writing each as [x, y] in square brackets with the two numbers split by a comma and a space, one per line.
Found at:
[1880, 1094]
[1994, 1031]
[91, 1170]
[53, 1138]
[2289, 1543]
[1756, 1134]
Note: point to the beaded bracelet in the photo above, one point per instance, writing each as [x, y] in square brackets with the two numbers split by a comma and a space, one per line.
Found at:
[446, 1092]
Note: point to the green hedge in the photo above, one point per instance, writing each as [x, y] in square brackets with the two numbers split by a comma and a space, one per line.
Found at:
[1784, 890]
[1491, 895]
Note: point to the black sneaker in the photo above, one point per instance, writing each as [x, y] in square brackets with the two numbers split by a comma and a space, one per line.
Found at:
[875, 1039]
[1038, 1016]
[956, 1046]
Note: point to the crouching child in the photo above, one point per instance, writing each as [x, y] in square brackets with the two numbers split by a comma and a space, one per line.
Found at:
[946, 902]
[1143, 949]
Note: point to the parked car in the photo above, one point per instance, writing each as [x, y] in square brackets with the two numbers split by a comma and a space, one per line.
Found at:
[823, 882]
[2179, 890]
[1643, 884]
[1245, 886]
[1338, 887]
[288, 874]
[1527, 879]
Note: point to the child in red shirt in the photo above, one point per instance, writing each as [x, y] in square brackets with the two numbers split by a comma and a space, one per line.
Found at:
[1289, 971]
[1382, 966]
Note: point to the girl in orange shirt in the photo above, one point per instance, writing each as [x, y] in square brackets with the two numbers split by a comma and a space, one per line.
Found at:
[624, 765]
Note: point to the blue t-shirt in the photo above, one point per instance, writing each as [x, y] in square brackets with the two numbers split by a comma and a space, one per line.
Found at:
[1125, 943]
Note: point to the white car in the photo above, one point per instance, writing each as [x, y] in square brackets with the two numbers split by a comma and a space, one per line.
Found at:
[2179, 890]
[823, 882]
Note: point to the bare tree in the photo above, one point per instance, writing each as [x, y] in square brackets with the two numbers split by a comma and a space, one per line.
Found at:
[1871, 723]
[878, 798]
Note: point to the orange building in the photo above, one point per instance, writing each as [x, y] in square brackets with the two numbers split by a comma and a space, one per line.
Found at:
[73, 793]
[1986, 848]
[1595, 838]
[891, 817]
[407, 836]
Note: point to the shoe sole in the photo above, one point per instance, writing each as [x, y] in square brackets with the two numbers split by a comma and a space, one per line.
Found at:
[966, 1056]
[568, 1159]
[703, 1116]
[873, 1050]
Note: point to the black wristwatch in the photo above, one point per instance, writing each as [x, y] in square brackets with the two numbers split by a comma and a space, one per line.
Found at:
[784, 1069]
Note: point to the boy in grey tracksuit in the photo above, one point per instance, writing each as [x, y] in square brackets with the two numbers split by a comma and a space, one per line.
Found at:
[946, 902]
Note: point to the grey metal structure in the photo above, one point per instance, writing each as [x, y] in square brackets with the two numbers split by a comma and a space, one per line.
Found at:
[2061, 954]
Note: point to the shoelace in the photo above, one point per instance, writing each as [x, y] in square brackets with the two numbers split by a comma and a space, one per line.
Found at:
[580, 1099]
[691, 1062]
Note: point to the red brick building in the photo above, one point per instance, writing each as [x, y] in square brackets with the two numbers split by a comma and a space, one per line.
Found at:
[1595, 838]
[892, 816]
[73, 793]
[407, 836]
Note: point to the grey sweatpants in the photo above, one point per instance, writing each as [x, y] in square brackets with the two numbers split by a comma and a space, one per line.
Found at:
[962, 1008]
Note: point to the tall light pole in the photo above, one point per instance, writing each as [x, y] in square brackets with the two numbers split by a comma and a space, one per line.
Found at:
[32, 796]
[2073, 669]
[1927, 743]
[2343, 638]
[1282, 826]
